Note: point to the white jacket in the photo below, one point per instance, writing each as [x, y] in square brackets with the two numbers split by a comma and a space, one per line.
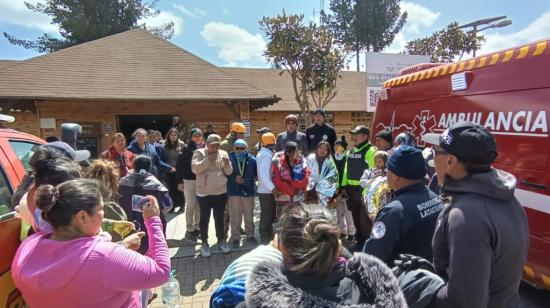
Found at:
[265, 175]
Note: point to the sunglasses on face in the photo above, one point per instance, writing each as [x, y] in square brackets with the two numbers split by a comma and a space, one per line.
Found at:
[240, 149]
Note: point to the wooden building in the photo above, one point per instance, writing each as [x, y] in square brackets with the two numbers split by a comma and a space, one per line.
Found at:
[346, 110]
[121, 82]
[135, 79]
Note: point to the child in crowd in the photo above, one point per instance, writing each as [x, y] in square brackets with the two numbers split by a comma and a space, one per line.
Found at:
[343, 214]
[323, 181]
[375, 183]
[290, 174]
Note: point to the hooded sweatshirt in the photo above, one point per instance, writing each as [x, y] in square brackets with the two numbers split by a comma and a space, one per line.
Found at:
[363, 281]
[88, 271]
[480, 242]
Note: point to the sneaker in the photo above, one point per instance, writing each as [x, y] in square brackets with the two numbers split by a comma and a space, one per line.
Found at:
[224, 247]
[252, 241]
[205, 251]
[190, 236]
[236, 244]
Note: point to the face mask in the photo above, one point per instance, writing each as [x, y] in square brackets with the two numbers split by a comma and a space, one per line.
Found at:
[240, 155]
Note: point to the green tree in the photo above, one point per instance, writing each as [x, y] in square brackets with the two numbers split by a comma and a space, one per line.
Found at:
[445, 45]
[307, 53]
[365, 24]
[86, 20]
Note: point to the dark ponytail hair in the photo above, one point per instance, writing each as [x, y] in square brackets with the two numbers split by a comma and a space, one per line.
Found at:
[310, 237]
[51, 168]
[60, 203]
[290, 148]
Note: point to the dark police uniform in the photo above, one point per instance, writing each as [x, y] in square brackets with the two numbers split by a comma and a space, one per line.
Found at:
[406, 225]
[316, 134]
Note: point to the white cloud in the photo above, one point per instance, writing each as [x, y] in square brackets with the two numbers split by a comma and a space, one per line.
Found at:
[16, 13]
[194, 13]
[236, 45]
[538, 29]
[419, 17]
[165, 17]
[398, 44]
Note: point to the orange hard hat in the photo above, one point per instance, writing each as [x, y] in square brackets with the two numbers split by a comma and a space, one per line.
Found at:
[238, 127]
[268, 139]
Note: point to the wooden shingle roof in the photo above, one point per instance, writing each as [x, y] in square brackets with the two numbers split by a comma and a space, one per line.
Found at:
[132, 65]
[351, 89]
[7, 63]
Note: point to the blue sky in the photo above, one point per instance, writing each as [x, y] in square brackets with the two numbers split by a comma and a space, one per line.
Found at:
[227, 33]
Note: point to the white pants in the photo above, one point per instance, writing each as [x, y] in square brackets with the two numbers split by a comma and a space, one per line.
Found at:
[192, 211]
[344, 217]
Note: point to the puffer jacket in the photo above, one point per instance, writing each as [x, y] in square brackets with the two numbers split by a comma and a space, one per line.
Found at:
[362, 281]
[211, 175]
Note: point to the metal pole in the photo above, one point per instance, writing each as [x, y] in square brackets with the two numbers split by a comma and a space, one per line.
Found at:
[475, 43]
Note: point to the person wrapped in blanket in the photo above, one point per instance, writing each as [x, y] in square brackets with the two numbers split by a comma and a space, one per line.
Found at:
[323, 179]
[290, 175]
[376, 191]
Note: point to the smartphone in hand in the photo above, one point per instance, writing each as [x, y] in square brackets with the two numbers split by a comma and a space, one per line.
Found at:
[138, 202]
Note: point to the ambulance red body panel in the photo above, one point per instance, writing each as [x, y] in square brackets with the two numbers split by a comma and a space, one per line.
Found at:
[509, 93]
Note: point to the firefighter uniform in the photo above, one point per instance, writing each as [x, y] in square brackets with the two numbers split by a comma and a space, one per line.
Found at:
[358, 159]
[406, 225]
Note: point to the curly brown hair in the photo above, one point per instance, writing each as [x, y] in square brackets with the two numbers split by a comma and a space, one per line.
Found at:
[107, 174]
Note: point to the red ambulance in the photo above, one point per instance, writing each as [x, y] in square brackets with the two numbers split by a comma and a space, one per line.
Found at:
[508, 92]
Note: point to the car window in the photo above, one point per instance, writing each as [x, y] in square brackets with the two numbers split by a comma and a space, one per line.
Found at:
[24, 151]
[5, 193]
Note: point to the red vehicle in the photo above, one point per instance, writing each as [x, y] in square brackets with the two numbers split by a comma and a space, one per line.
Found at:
[508, 92]
[15, 151]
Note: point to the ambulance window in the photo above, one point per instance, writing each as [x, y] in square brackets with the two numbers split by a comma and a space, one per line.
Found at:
[5, 193]
[24, 151]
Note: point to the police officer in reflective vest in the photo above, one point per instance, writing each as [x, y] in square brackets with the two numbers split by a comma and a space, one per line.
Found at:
[358, 159]
[406, 224]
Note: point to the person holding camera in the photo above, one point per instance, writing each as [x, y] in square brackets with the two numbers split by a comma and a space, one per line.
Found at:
[73, 266]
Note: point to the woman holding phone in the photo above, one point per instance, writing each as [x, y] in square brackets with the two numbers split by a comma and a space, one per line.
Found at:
[73, 267]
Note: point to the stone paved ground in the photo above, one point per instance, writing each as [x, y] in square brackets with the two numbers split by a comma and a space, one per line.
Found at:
[198, 277]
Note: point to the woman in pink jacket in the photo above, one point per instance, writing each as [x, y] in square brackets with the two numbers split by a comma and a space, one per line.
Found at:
[73, 267]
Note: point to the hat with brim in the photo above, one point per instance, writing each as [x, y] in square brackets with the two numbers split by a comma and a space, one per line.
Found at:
[467, 141]
[196, 132]
[263, 130]
[69, 152]
[214, 139]
[360, 129]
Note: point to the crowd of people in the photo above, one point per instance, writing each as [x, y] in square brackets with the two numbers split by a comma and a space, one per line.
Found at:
[360, 226]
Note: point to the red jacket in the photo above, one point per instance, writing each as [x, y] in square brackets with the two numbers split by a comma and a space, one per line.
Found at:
[124, 161]
[282, 176]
